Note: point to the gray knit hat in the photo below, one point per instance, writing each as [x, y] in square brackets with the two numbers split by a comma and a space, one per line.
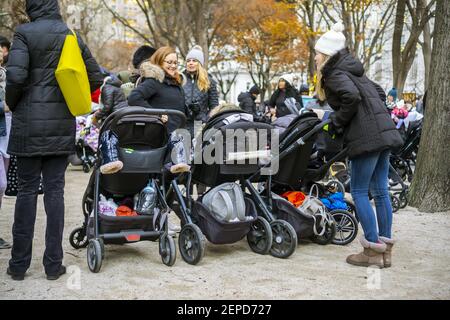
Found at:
[197, 54]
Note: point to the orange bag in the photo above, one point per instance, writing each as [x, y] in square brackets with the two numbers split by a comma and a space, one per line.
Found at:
[124, 211]
[294, 197]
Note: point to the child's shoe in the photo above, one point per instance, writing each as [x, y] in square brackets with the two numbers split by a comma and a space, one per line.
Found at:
[111, 167]
[179, 168]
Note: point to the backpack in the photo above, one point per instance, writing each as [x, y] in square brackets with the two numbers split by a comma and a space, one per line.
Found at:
[72, 77]
[226, 202]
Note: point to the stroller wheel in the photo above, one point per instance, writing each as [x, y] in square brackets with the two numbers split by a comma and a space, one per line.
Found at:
[167, 250]
[78, 238]
[284, 239]
[191, 242]
[260, 236]
[86, 168]
[346, 227]
[328, 235]
[395, 202]
[402, 196]
[94, 255]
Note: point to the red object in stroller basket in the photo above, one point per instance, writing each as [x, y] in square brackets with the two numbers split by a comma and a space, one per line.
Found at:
[294, 197]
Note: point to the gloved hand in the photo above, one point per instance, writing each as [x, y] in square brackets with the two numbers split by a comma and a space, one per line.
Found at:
[333, 131]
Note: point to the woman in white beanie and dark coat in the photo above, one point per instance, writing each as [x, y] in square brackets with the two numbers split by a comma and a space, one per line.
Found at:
[200, 90]
[369, 133]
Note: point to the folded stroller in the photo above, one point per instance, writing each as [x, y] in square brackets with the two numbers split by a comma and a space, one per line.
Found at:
[199, 222]
[143, 141]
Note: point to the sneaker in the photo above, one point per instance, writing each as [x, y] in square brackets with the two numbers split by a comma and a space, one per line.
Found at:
[15, 276]
[4, 244]
[62, 270]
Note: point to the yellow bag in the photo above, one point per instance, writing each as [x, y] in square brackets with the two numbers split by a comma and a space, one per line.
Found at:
[72, 77]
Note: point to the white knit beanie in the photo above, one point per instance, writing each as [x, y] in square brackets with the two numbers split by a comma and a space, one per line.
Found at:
[197, 54]
[332, 41]
[288, 77]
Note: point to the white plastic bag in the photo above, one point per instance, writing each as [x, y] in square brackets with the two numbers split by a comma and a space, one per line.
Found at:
[107, 207]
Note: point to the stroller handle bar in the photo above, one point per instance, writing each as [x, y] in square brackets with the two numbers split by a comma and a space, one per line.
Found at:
[150, 112]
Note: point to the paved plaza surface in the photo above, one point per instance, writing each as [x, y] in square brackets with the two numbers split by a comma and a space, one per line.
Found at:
[421, 265]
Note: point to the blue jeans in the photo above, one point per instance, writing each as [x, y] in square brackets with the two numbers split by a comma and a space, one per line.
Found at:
[370, 173]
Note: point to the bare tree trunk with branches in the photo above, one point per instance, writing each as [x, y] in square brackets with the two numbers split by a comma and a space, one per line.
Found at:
[430, 190]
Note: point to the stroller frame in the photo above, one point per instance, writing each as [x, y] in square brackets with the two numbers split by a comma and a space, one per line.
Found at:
[95, 244]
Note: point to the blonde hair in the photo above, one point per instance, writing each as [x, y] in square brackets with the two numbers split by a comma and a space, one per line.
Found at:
[319, 86]
[202, 79]
[158, 59]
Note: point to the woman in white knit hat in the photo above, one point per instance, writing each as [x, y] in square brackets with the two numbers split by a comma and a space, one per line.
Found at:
[200, 90]
[369, 134]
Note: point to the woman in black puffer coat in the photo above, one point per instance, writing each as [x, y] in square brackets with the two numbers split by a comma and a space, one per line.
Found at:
[369, 134]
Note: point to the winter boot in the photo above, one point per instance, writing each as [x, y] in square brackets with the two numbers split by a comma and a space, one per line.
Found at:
[110, 155]
[387, 255]
[372, 255]
[178, 168]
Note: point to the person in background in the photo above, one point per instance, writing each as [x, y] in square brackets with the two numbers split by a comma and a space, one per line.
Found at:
[5, 127]
[391, 99]
[361, 117]
[284, 91]
[143, 53]
[247, 100]
[42, 131]
[200, 90]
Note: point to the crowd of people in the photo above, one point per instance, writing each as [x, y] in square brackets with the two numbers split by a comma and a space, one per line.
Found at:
[42, 132]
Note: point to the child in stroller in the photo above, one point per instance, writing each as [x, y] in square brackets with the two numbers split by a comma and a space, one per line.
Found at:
[142, 148]
[86, 143]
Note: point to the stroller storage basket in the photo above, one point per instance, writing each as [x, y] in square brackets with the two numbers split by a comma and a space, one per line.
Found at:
[221, 232]
[141, 159]
[108, 224]
[302, 223]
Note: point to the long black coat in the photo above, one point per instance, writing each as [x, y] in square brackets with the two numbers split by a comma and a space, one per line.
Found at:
[42, 124]
[158, 91]
[359, 106]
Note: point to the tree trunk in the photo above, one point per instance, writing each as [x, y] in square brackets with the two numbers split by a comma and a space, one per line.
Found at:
[430, 190]
[397, 41]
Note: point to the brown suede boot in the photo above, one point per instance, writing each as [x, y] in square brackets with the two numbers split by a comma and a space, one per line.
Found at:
[111, 167]
[387, 255]
[372, 255]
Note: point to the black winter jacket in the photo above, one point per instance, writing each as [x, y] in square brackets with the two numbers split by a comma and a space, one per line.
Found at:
[207, 100]
[42, 124]
[279, 96]
[247, 102]
[112, 98]
[359, 106]
[158, 91]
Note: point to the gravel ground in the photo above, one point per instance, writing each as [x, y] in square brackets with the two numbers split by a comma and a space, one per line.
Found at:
[421, 266]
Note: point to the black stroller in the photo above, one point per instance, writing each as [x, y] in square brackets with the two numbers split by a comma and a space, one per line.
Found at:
[198, 221]
[143, 140]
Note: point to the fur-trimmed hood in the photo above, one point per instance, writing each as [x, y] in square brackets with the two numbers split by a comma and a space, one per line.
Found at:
[150, 70]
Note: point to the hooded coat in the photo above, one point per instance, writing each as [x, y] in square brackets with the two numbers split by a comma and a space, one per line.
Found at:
[158, 91]
[42, 124]
[112, 97]
[359, 107]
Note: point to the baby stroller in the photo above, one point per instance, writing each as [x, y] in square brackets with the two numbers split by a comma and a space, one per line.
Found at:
[199, 222]
[143, 140]
[405, 157]
[85, 145]
[297, 172]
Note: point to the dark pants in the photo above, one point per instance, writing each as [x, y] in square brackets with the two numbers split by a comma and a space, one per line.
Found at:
[29, 171]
